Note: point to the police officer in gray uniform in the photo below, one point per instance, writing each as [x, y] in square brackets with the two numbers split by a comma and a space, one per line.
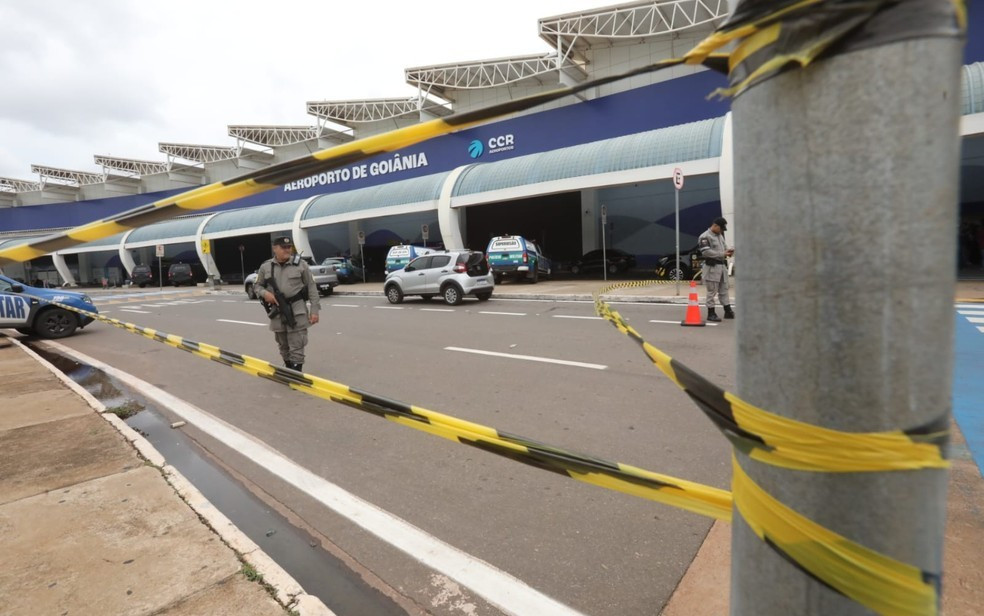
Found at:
[294, 279]
[715, 253]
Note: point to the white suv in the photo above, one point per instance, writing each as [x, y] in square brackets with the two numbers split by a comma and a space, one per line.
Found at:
[452, 275]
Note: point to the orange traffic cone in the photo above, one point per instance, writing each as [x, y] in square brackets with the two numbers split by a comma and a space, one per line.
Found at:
[693, 309]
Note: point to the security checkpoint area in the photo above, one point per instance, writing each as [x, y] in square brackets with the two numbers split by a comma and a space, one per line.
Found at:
[594, 384]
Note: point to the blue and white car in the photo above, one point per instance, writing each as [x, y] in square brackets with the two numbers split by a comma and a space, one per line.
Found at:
[516, 256]
[21, 309]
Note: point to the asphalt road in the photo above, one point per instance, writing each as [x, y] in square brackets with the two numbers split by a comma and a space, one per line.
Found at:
[597, 551]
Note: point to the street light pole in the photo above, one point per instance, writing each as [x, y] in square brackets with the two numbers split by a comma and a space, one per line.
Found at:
[849, 171]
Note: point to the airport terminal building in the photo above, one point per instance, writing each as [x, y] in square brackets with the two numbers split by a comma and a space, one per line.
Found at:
[544, 174]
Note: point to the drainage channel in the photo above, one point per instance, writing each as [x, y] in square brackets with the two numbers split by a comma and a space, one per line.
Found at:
[319, 572]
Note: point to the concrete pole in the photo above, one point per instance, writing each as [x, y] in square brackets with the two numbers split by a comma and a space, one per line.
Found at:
[846, 184]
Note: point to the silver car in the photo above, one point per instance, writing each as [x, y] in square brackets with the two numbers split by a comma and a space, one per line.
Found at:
[325, 277]
[452, 275]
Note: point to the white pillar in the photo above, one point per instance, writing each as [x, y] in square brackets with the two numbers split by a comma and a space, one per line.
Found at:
[125, 257]
[451, 220]
[62, 267]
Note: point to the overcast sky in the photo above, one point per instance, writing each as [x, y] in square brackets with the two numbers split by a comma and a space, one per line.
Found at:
[116, 77]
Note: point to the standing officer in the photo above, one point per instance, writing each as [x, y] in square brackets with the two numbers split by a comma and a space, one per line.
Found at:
[293, 278]
[715, 253]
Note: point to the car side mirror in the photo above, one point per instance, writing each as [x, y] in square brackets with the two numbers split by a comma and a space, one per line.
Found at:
[17, 288]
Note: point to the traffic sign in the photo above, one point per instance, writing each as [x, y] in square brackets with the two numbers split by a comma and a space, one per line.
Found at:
[678, 178]
[604, 214]
[362, 238]
[160, 250]
[241, 248]
[424, 232]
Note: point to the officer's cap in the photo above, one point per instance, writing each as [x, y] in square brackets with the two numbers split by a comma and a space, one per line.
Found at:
[284, 241]
[721, 222]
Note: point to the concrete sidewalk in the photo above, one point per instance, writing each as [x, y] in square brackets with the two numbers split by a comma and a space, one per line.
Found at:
[93, 521]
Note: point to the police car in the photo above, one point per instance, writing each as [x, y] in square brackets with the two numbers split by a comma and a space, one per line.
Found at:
[21, 309]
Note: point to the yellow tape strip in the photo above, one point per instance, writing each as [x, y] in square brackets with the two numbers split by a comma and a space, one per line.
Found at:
[695, 497]
[874, 580]
[781, 441]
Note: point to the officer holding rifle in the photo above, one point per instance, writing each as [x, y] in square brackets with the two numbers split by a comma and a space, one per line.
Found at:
[285, 284]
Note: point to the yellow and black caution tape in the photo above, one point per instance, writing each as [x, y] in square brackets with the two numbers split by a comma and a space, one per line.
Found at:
[780, 441]
[695, 497]
[874, 580]
[775, 36]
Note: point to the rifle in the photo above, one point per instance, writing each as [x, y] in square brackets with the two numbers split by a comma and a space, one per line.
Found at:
[282, 308]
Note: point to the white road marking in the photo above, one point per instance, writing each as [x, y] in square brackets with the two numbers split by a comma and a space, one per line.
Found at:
[436, 310]
[388, 307]
[971, 306]
[976, 319]
[977, 313]
[678, 322]
[241, 322]
[508, 314]
[546, 360]
[504, 591]
[134, 310]
[153, 305]
[570, 316]
[230, 301]
[981, 328]
[344, 305]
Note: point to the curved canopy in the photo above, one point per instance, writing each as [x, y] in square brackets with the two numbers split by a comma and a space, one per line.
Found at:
[414, 190]
[260, 216]
[694, 141]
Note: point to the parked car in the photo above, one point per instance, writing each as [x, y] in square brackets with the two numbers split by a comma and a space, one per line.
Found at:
[142, 276]
[452, 275]
[518, 257]
[345, 268]
[690, 264]
[21, 311]
[324, 277]
[614, 260]
[181, 273]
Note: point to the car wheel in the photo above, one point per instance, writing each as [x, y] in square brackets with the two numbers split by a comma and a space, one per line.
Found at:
[575, 269]
[452, 295]
[55, 323]
[613, 268]
[249, 291]
[483, 297]
[142, 285]
[394, 294]
[497, 278]
[535, 277]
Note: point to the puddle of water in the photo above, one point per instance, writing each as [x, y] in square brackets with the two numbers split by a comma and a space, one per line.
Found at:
[317, 571]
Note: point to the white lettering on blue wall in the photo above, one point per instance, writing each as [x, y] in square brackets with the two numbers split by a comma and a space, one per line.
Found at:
[396, 164]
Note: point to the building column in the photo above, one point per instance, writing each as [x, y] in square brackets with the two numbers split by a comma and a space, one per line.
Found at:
[68, 280]
[449, 219]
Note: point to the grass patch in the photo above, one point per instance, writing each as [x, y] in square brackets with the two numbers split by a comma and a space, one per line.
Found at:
[251, 574]
[126, 410]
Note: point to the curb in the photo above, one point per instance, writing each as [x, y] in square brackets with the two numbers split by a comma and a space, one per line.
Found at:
[288, 591]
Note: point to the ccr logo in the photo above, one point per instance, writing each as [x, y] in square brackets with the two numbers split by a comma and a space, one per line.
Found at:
[475, 148]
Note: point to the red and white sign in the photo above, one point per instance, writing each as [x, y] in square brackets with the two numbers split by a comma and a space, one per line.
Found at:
[678, 178]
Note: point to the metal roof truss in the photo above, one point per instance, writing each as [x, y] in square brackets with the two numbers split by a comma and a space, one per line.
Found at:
[12, 185]
[635, 21]
[198, 153]
[66, 177]
[129, 166]
[491, 73]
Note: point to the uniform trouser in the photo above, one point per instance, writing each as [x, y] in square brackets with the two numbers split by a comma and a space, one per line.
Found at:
[292, 343]
[718, 288]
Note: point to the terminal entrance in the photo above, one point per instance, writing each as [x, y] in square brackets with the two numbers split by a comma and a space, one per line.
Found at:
[553, 221]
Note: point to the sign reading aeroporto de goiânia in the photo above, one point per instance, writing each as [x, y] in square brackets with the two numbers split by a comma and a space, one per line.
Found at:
[394, 164]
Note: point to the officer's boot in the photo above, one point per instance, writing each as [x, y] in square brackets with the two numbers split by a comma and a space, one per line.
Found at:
[728, 312]
[293, 366]
[712, 316]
